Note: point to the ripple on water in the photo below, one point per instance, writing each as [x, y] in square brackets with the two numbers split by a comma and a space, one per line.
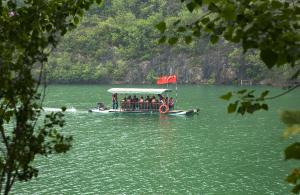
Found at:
[211, 153]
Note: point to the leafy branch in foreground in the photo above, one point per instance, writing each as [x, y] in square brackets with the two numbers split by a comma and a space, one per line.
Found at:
[29, 30]
[292, 120]
[247, 102]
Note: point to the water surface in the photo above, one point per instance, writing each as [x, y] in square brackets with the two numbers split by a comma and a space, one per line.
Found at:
[210, 153]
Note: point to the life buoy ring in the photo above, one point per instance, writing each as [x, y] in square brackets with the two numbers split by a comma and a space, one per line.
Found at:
[163, 109]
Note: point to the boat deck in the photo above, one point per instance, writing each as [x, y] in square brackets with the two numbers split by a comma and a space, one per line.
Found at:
[171, 112]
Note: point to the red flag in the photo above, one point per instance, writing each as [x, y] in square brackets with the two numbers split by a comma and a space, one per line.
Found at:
[172, 79]
[162, 80]
[166, 79]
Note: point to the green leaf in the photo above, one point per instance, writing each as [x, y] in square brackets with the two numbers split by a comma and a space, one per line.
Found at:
[265, 106]
[214, 39]
[176, 22]
[241, 110]
[199, 2]
[236, 35]
[161, 26]
[7, 116]
[268, 57]
[63, 31]
[173, 40]
[98, 1]
[48, 27]
[219, 30]
[205, 20]
[162, 39]
[181, 29]
[197, 33]
[191, 6]
[227, 96]
[232, 107]
[248, 44]
[251, 108]
[62, 148]
[292, 151]
[229, 12]
[188, 39]
[290, 117]
[264, 94]
[276, 4]
[281, 59]
[212, 7]
[80, 13]
[11, 4]
[210, 26]
[296, 189]
[249, 95]
[293, 177]
[242, 91]
[228, 33]
[76, 20]
[257, 106]
[1, 164]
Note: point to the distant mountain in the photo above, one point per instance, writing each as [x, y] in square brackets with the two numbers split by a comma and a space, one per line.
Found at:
[117, 43]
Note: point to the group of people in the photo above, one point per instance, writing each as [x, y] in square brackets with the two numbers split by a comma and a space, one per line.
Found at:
[147, 103]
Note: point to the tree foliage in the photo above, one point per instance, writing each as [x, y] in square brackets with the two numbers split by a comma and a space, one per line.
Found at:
[117, 43]
[29, 30]
[269, 26]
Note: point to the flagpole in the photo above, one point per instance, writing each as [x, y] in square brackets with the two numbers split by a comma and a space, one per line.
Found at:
[176, 94]
[168, 87]
[176, 90]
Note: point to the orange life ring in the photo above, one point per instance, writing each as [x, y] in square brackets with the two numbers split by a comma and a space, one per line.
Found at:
[163, 109]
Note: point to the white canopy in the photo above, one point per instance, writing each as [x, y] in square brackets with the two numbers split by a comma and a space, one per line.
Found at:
[138, 90]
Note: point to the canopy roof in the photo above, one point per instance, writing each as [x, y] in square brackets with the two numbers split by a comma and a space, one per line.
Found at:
[138, 90]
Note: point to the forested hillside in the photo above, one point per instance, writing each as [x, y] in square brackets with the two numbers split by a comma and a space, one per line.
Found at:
[117, 43]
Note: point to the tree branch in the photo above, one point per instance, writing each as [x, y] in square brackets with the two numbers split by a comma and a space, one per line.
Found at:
[279, 95]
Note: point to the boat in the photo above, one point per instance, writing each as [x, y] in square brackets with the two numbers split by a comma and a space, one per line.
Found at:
[136, 100]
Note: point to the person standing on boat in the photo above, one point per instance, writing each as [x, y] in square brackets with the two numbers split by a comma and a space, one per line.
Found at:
[115, 101]
[160, 98]
[154, 103]
[123, 103]
[129, 106]
[116, 98]
[141, 103]
[147, 102]
[134, 102]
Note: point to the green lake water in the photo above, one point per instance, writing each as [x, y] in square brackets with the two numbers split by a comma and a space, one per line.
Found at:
[212, 153]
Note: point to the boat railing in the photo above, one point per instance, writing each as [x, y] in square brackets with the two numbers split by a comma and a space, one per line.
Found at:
[140, 106]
